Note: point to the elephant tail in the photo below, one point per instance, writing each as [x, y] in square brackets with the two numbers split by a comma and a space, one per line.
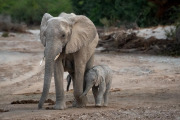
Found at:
[68, 81]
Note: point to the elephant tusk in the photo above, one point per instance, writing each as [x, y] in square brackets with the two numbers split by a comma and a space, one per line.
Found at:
[57, 56]
[41, 61]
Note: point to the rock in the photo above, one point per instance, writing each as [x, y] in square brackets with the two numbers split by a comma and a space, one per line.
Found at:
[83, 117]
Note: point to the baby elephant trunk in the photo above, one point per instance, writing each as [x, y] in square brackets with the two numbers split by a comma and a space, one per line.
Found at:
[88, 87]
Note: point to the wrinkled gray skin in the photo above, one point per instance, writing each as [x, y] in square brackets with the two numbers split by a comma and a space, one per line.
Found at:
[178, 34]
[69, 79]
[99, 78]
[74, 37]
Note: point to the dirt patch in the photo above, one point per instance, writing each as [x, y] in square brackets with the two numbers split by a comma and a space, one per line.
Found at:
[115, 90]
[25, 102]
[51, 102]
[127, 113]
[2, 110]
[13, 71]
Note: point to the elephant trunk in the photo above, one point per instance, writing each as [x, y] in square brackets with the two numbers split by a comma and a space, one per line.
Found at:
[49, 65]
[88, 87]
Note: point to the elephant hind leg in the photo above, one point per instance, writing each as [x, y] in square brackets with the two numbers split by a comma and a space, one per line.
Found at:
[78, 83]
[90, 63]
[58, 78]
[83, 60]
[95, 93]
[106, 94]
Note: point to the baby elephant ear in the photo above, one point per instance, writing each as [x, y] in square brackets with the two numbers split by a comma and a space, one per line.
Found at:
[99, 78]
[83, 33]
[43, 26]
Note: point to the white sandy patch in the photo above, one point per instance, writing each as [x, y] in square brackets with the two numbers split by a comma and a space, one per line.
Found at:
[35, 32]
[157, 32]
[37, 88]
[8, 57]
[100, 49]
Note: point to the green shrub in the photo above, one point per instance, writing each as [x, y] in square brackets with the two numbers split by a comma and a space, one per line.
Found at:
[31, 11]
[5, 34]
[101, 12]
[172, 33]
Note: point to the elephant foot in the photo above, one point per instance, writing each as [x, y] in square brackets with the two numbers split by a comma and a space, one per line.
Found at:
[80, 102]
[105, 104]
[39, 106]
[80, 105]
[74, 103]
[60, 106]
[98, 105]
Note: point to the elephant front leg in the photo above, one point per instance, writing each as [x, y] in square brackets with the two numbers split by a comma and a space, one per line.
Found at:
[78, 85]
[100, 94]
[58, 77]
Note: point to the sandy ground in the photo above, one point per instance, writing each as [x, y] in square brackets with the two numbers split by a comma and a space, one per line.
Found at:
[144, 86]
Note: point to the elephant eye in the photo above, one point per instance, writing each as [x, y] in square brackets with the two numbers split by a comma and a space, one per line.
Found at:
[63, 35]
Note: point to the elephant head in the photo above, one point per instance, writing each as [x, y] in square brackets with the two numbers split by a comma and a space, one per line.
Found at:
[65, 34]
[92, 78]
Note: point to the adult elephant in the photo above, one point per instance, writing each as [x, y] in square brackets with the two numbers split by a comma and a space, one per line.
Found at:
[70, 41]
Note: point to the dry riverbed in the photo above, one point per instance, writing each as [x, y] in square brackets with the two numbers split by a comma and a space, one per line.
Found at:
[144, 86]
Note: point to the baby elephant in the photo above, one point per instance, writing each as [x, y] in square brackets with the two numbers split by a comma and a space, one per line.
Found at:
[99, 78]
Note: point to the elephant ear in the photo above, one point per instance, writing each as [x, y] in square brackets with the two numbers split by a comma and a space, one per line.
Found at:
[65, 15]
[43, 26]
[100, 77]
[83, 33]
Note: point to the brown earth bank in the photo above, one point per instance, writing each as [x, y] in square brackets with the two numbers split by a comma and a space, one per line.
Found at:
[144, 86]
[153, 40]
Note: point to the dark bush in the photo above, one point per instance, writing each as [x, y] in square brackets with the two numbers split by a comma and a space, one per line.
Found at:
[124, 12]
[31, 11]
[130, 13]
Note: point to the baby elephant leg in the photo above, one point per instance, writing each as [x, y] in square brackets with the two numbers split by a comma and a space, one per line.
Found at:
[95, 93]
[101, 91]
[106, 94]
[108, 87]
